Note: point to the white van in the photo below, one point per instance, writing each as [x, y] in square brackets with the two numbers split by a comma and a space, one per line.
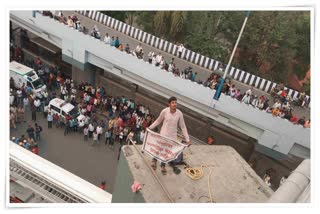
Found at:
[23, 74]
[62, 108]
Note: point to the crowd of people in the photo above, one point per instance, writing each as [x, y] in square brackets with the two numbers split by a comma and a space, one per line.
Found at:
[156, 59]
[26, 142]
[281, 107]
[122, 119]
[283, 103]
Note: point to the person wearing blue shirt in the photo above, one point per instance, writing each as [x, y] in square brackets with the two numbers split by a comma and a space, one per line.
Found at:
[102, 92]
[28, 89]
[193, 77]
[132, 105]
[15, 140]
[107, 137]
[27, 145]
[117, 42]
[123, 100]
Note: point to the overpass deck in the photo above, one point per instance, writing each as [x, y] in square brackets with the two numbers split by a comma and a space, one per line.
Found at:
[80, 49]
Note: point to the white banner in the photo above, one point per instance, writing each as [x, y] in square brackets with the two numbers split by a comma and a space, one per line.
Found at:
[160, 147]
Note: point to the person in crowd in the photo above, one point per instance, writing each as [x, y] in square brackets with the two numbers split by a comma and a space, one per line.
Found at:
[250, 91]
[107, 136]
[91, 130]
[116, 42]
[107, 39]
[30, 130]
[95, 32]
[307, 124]
[50, 119]
[302, 121]
[180, 50]
[12, 120]
[139, 51]
[95, 138]
[37, 104]
[112, 42]
[38, 130]
[246, 99]
[69, 22]
[193, 76]
[99, 131]
[127, 49]
[85, 133]
[103, 185]
[158, 59]
[150, 56]
[21, 114]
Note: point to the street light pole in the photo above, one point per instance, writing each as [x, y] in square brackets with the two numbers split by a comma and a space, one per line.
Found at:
[218, 91]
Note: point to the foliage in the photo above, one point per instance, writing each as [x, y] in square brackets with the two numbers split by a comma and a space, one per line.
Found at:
[119, 15]
[306, 86]
[274, 44]
[144, 19]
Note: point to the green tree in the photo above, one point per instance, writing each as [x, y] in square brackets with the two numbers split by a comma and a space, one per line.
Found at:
[272, 38]
[161, 24]
[144, 19]
[177, 24]
[119, 15]
[274, 44]
[306, 86]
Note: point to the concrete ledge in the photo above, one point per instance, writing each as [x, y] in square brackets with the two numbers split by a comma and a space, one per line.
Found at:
[232, 179]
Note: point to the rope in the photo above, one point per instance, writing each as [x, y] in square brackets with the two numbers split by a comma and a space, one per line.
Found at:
[197, 173]
[193, 173]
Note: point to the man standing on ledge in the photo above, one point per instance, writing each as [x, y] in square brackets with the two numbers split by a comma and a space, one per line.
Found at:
[171, 117]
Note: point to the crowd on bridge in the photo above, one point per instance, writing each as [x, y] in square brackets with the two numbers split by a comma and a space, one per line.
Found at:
[281, 108]
[121, 119]
[283, 102]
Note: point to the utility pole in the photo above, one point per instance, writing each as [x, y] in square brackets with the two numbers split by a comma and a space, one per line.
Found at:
[218, 91]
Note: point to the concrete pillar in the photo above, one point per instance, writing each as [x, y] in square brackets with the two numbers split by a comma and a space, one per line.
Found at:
[294, 186]
[92, 79]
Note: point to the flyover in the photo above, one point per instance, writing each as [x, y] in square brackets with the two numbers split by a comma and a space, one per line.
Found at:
[81, 50]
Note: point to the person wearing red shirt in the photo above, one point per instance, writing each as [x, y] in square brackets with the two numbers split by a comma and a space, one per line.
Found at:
[120, 122]
[98, 95]
[35, 150]
[103, 185]
[294, 119]
[283, 93]
[91, 100]
[56, 119]
[144, 124]
[38, 62]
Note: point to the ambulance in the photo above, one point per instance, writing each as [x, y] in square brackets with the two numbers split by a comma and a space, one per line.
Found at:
[23, 74]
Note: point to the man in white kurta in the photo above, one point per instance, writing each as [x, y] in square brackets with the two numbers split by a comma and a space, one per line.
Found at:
[171, 118]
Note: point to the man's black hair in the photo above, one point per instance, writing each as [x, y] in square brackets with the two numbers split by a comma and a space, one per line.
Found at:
[172, 99]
